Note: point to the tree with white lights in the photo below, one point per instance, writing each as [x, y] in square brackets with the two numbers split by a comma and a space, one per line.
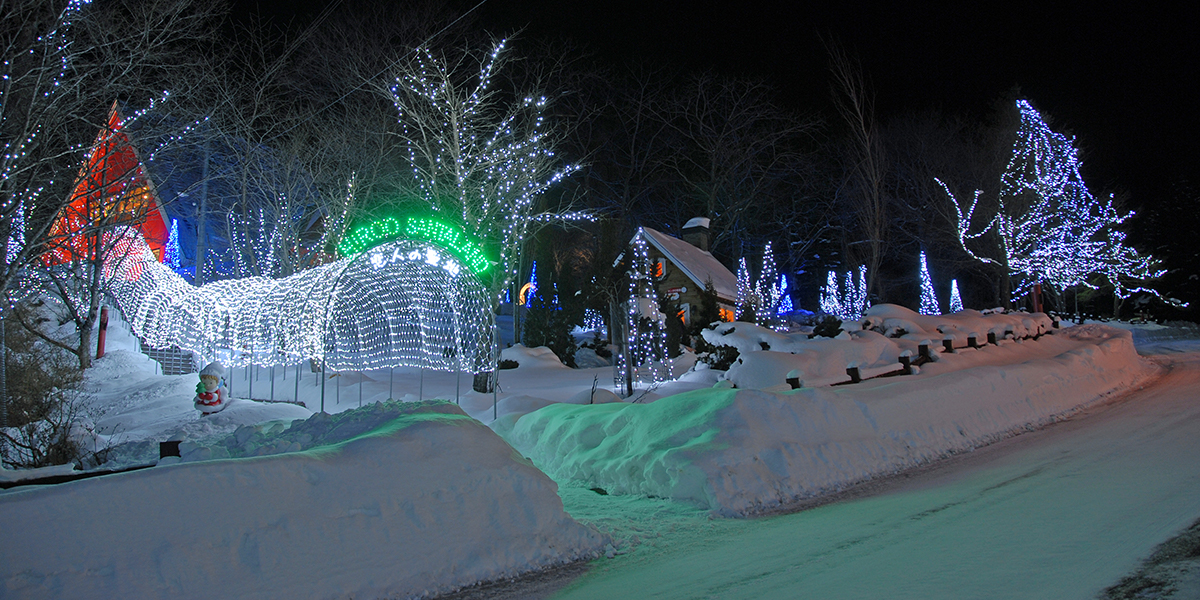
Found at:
[478, 158]
[745, 291]
[850, 301]
[768, 292]
[929, 303]
[1050, 227]
[956, 303]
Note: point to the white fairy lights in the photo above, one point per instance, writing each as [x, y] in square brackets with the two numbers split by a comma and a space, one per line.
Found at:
[848, 303]
[929, 303]
[403, 303]
[645, 356]
[1051, 228]
[476, 156]
[956, 303]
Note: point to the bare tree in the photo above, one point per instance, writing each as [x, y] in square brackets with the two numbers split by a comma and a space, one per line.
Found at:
[740, 152]
[862, 190]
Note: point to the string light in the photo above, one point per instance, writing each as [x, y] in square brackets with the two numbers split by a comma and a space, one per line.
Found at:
[1051, 228]
[848, 303]
[743, 287]
[929, 303]
[474, 157]
[172, 254]
[768, 293]
[402, 303]
[956, 303]
[646, 351]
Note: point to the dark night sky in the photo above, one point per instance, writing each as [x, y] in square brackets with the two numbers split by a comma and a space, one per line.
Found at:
[1122, 79]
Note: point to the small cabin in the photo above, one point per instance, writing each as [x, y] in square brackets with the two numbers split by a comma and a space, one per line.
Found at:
[681, 267]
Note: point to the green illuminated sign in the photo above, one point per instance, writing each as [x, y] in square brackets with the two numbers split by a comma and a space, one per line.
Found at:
[418, 228]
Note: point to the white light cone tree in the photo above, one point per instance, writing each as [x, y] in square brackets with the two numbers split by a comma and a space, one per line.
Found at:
[929, 303]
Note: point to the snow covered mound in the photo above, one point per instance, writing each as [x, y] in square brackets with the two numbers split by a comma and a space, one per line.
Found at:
[766, 356]
[531, 357]
[744, 451]
[423, 501]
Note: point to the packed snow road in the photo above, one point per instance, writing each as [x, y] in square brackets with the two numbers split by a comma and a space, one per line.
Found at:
[1063, 512]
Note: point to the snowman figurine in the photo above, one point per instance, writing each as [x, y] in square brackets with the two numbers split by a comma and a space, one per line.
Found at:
[211, 395]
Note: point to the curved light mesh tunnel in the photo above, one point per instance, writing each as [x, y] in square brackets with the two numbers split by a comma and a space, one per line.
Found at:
[403, 303]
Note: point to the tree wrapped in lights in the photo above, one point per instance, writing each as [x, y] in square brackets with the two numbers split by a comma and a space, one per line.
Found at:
[848, 303]
[744, 300]
[956, 303]
[785, 299]
[475, 157]
[929, 303]
[768, 292]
[1050, 227]
[645, 356]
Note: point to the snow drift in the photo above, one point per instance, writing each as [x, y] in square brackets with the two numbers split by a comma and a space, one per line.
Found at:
[424, 502]
[738, 452]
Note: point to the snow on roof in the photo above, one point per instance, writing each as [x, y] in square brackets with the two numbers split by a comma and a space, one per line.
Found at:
[697, 222]
[698, 265]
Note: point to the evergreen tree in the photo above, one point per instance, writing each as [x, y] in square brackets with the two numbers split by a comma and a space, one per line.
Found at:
[956, 303]
[929, 303]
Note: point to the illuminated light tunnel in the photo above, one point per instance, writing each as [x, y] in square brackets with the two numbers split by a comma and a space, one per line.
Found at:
[406, 302]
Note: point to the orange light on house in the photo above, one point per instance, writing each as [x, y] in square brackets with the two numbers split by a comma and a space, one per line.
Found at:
[727, 315]
[111, 189]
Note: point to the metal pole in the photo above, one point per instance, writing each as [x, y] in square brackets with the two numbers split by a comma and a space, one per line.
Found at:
[4, 373]
[339, 387]
[297, 381]
[457, 385]
[360, 387]
[391, 378]
[249, 382]
[322, 375]
[273, 381]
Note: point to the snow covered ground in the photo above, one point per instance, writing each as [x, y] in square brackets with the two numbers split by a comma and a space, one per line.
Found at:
[734, 451]
[739, 452]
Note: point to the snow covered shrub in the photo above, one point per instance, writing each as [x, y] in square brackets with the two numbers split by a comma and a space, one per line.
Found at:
[43, 405]
[549, 325]
[829, 327]
[718, 357]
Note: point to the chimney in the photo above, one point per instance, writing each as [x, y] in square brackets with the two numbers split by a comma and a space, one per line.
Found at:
[695, 232]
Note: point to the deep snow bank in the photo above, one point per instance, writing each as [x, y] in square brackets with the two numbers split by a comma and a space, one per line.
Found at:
[427, 501]
[874, 345]
[743, 451]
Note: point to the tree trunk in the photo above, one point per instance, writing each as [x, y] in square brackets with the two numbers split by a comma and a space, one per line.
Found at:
[484, 382]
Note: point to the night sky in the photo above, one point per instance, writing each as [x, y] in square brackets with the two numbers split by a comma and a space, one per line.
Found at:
[1121, 79]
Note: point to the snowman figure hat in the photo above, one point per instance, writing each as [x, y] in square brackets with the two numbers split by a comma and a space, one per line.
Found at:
[214, 369]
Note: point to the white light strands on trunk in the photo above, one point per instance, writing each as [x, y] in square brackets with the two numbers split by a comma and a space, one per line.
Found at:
[956, 304]
[402, 303]
[768, 293]
[785, 299]
[848, 303]
[831, 299]
[743, 287]
[1051, 228]
[929, 303]
[646, 351]
[477, 155]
